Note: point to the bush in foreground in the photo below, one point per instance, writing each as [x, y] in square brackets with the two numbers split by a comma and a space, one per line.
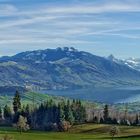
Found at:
[114, 130]
[6, 137]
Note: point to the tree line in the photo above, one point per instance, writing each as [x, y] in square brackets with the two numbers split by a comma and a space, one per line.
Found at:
[59, 116]
[46, 116]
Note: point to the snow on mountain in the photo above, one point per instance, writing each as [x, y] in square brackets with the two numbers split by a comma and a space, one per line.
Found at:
[131, 62]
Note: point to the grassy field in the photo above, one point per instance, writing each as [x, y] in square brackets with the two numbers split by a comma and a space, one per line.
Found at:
[79, 132]
[26, 98]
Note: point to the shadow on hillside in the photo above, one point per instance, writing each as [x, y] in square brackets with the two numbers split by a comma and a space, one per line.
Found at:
[133, 136]
[104, 129]
[115, 138]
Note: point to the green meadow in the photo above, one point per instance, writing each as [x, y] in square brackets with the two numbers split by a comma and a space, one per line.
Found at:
[79, 132]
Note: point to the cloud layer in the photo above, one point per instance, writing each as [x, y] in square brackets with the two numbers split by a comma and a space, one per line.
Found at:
[84, 25]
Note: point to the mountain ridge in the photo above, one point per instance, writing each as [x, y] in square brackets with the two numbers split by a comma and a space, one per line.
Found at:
[133, 63]
[64, 68]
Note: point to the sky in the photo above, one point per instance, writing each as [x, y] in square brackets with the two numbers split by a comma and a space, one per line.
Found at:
[102, 27]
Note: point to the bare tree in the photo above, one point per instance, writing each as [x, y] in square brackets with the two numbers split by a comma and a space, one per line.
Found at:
[114, 130]
[22, 124]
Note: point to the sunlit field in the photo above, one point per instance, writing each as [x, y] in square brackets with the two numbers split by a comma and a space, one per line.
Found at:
[79, 132]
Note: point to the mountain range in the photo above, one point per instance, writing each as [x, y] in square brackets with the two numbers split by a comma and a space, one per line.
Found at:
[65, 68]
[133, 63]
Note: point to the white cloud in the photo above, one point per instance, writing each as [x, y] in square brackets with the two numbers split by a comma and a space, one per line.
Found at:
[122, 35]
[64, 25]
[26, 40]
[114, 31]
[93, 9]
[26, 21]
[7, 9]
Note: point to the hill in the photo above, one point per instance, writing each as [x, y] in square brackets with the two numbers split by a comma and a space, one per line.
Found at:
[64, 68]
[133, 63]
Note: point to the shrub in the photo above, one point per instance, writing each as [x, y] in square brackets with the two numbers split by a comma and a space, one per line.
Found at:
[113, 131]
[64, 126]
[6, 137]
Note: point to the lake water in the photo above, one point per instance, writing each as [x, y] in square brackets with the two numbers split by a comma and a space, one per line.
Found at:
[106, 95]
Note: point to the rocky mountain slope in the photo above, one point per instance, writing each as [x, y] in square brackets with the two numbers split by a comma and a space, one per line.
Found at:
[63, 68]
[133, 63]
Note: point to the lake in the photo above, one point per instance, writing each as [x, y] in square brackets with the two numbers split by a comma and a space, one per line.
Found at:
[106, 95]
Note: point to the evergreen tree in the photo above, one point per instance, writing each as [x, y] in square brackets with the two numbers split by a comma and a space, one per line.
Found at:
[55, 113]
[28, 114]
[95, 119]
[79, 112]
[1, 115]
[61, 113]
[68, 113]
[23, 111]
[82, 114]
[7, 112]
[106, 114]
[40, 115]
[114, 121]
[16, 102]
[137, 119]
[101, 120]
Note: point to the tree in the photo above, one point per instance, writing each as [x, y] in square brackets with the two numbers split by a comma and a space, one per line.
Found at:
[79, 111]
[64, 126]
[136, 120]
[113, 131]
[1, 115]
[16, 102]
[68, 113]
[95, 119]
[16, 106]
[22, 124]
[7, 112]
[28, 114]
[82, 114]
[126, 112]
[106, 114]
[61, 113]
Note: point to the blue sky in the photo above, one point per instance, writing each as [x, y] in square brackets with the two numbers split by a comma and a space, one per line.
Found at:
[102, 27]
